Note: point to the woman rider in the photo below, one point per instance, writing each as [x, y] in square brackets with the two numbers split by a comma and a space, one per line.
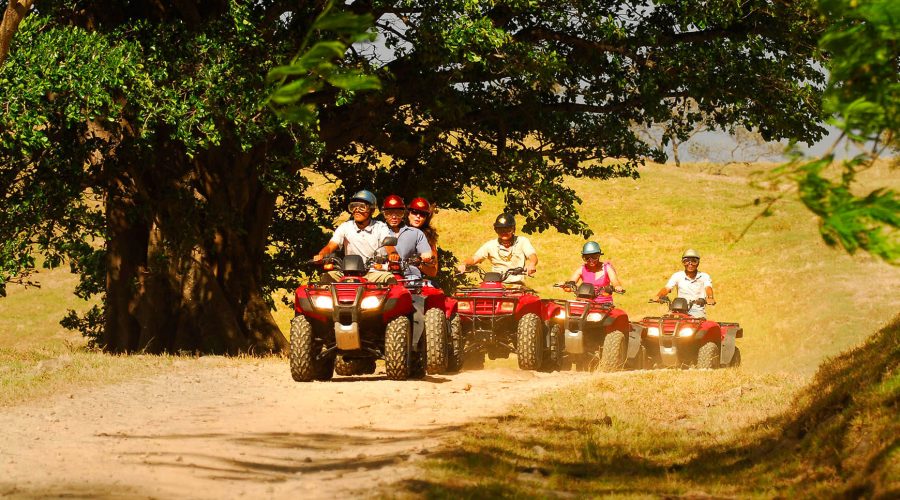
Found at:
[595, 272]
[419, 217]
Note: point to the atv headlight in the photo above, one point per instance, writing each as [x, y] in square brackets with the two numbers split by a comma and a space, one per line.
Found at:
[595, 316]
[652, 331]
[464, 306]
[685, 332]
[561, 314]
[323, 302]
[370, 302]
[506, 307]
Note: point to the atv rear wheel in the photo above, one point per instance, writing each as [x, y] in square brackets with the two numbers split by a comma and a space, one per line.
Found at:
[304, 350]
[455, 350]
[708, 355]
[435, 341]
[397, 349]
[553, 355]
[614, 352]
[530, 342]
[354, 366]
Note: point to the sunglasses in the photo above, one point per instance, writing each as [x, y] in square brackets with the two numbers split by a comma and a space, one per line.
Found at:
[394, 212]
[595, 256]
[357, 206]
[690, 261]
[418, 213]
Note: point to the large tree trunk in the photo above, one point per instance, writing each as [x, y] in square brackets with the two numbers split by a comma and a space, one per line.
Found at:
[187, 279]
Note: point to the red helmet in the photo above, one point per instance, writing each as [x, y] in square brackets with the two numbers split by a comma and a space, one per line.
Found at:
[420, 204]
[393, 201]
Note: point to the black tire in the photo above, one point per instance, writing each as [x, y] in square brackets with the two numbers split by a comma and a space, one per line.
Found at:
[614, 352]
[396, 349]
[325, 367]
[435, 341]
[473, 360]
[553, 355]
[354, 366]
[417, 359]
[455, 350]
[530, 342]
[302, 357]
[736, 358]
[708, 355]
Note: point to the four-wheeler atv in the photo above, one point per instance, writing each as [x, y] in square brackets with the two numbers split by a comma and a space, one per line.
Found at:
[679, 339]
[498, 320]
[356, 319]
[431, 321]
[594, 336]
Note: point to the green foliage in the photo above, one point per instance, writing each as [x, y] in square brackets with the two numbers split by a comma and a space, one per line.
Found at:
[165, 109]
[863, 100]
[311, 68]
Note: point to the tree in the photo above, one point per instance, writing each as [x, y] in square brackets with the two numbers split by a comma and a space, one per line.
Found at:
[676, 131]
[863, 101]
[137, 148]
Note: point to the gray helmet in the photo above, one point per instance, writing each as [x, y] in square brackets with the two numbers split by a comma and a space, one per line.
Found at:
[365, 196]
[505, 220]
[690, 252]
[590, 248]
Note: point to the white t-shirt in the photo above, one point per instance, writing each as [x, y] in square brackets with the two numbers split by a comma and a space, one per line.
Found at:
[691, 289]
[503, 259]
[363, 242]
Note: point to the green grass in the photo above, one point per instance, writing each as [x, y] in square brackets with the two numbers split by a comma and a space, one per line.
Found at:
[725, 433]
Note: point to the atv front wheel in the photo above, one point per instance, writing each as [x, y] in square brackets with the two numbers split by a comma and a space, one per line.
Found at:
[397, 349]
[455, 350]
[530, 342]
[435, 341]
[304, 349]
[354, 366]
[614, 352]
[708, 355]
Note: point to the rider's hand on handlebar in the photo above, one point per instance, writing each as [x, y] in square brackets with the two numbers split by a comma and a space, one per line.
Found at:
[462, 268]
[530, 269]
[711, 301]
[317, 258]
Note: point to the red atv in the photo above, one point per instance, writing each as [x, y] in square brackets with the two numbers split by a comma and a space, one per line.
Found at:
[498, 320]
[594, 336]
[679, 339]
[431, 320]
[355, 319]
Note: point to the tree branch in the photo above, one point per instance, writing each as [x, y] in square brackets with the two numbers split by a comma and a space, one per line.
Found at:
[16, 10]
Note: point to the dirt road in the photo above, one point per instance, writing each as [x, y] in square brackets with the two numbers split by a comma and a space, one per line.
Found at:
[212, 431]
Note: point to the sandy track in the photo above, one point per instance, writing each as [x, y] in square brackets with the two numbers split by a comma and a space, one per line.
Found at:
[248, 430]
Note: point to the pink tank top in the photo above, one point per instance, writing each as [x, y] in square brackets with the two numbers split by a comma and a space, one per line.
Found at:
[597, 279]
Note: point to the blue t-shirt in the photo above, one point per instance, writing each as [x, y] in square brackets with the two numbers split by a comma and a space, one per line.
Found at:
[411, 242]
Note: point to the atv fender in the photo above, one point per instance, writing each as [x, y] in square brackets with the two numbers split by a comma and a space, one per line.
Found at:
[728, 343]
[634, 340]
[418, 319]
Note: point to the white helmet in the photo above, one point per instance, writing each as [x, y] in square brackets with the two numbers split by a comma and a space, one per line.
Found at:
[690, 252]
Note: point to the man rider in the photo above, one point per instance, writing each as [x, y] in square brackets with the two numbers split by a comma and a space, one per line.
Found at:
[506, 252]
[411, 242]
[360, 236]
[691, 283]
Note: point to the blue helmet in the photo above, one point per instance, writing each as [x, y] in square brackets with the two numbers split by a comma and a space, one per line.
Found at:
[365, 196]
[591, 247]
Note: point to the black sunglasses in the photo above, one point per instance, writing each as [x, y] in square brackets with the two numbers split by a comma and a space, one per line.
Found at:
[419, 213]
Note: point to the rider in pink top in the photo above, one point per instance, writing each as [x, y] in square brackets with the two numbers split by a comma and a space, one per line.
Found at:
[599, 274]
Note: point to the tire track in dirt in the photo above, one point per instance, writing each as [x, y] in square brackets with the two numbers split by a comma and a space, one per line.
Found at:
[245, 430]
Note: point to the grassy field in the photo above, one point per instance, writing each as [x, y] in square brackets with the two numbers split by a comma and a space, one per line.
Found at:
[630, 434]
